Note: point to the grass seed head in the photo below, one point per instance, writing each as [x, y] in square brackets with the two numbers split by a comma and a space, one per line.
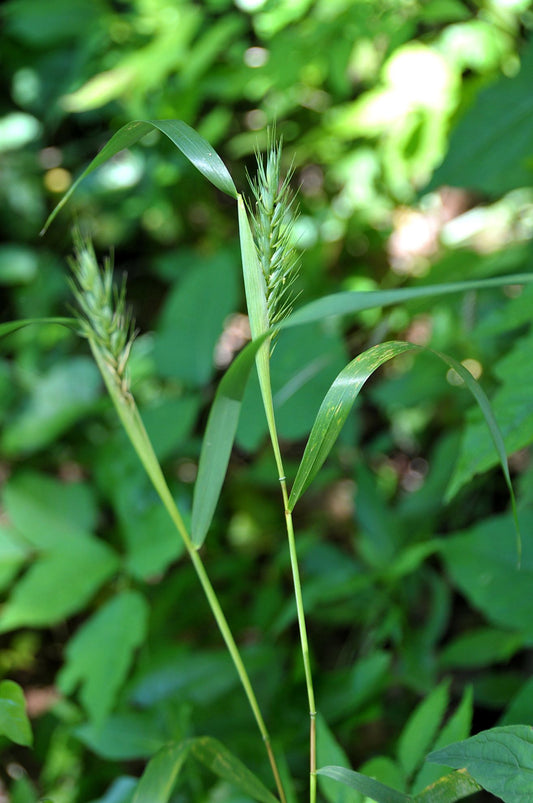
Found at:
[102, 311]
[273, 217]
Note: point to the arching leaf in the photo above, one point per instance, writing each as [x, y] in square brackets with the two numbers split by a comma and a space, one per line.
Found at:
[340, 398]
[197, 150]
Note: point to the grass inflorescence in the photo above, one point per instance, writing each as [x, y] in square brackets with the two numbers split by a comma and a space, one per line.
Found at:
[273, 218]
[103, 314]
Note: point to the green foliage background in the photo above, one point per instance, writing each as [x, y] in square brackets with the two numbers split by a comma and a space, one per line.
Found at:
[406, 543]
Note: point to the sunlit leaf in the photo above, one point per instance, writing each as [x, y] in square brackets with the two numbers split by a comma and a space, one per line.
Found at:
[197, 150]
[500, 759]
[14, 722]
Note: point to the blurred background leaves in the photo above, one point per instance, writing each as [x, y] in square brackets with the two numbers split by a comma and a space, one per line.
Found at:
[408, 123]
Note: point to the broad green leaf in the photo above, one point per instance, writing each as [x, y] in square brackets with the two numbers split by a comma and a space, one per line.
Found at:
[58, 400]
[479, 156]
[192, 320]
[69, 565]
[225, 410]
[60, 583]
[159, 777]
[421, 729]
[218, 440]
[14, 722]
[481, 563]
[125, 737]
[329, 752]
[13, 326]
[448, 789]
[14, 552]
[480, 648]
[224, 764]
[373, 789]
[100, 654]
[500, 760]
[47, 512]
[197, 150]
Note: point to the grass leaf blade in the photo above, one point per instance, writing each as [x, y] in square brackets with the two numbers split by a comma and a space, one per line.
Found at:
[13, 326]
[369, 787]
[335, 408]
[160, 774]
[224, 764]
[349, 302]
[340, 398]
[218, 440]
[197, 150]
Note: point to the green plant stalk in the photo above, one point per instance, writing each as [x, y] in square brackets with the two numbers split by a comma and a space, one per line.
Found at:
[266, 391]
[256, 273]
[134, 427]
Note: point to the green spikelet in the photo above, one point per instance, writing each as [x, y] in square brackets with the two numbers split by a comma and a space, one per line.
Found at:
[273, 221]
[103, 316]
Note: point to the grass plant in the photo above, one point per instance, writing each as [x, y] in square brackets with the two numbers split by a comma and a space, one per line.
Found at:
[269, 267]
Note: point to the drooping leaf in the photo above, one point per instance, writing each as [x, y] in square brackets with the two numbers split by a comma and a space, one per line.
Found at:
[373, 789]
[227, 766]
[159, 777]
[335, 409]
[197, 150]
[342, 394]
[500, 760]
[100, 654]
[14, 722]
[512, 403]
[422, 726]
[481, 563]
